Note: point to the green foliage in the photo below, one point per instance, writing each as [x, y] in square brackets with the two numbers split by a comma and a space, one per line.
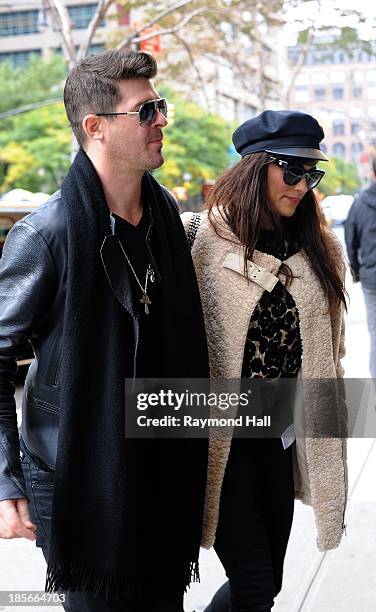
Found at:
[34, 146]
[40, 80]
[340, 177]
[197, 143]
[35, 150]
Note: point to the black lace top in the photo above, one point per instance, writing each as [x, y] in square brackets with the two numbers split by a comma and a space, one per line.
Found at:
[273, 346]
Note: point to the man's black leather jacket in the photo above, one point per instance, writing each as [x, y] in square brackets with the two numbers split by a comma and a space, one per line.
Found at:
[33, 271]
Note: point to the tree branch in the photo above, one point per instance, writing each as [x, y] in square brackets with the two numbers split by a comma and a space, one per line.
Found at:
[163, 14]
[300, 64]
[136, 39]
[63, 22]
[195, 67]
[29, 107]
[99, 14]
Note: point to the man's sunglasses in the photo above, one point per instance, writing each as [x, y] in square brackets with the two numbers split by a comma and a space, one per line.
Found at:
[293, 174]
[146, 113]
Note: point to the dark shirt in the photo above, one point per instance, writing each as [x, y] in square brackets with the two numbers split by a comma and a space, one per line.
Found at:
[273, 345]
[133, 240]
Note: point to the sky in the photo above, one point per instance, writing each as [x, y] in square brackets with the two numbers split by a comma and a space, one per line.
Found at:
[327, 15]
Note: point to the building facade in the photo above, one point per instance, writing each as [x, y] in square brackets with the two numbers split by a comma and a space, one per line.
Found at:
[340, 89]
[26, 29]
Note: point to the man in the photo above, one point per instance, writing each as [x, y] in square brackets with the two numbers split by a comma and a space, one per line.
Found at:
[360, 233]
[100, 280]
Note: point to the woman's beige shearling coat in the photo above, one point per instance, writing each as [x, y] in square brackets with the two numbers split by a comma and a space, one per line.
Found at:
[228, 300]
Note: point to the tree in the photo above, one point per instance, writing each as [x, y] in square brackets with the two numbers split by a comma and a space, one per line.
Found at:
[220, 32]
[196, 145]
[35, 150]
[316, 34]
[340, 177]
[230, 35]
[35, 145]
[40, 80]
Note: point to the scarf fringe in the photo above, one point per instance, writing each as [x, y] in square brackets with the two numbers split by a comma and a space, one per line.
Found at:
[109, 585]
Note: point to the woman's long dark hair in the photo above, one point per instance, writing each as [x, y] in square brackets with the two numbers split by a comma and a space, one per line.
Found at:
[241, 195]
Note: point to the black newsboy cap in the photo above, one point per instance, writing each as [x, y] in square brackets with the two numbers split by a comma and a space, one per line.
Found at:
[282, 132]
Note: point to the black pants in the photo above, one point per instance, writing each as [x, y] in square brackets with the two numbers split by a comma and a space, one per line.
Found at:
[255, 518]
[39, 489]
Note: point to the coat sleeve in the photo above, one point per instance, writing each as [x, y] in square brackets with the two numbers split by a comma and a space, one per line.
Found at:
[352, 240]
[27, 274]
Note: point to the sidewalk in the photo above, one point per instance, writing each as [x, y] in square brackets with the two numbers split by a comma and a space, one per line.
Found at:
[343, 580]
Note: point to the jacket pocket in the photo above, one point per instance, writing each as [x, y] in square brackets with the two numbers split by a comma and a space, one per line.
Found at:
[42, 405]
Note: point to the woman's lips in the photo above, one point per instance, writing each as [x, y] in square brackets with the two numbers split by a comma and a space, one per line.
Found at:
[293, 200]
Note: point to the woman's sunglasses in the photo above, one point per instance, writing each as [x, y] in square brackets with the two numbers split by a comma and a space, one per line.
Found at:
[146, 113]
[293, 174]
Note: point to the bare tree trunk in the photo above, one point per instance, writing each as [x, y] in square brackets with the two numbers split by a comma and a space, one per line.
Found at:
[63, 23]
[300, 63]
[189, 51]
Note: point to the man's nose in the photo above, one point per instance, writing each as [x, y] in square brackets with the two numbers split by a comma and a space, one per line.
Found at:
[160, 120]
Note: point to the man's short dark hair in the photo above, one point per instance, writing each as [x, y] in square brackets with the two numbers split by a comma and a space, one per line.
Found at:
[93, 85]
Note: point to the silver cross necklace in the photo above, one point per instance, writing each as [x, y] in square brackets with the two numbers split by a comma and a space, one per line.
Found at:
[149, 276]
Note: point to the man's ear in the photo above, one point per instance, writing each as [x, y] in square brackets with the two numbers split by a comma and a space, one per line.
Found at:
[92, 126]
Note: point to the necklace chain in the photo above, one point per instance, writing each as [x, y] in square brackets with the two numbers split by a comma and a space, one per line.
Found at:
[149, 274]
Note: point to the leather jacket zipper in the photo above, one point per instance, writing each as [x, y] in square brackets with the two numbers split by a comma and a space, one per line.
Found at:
[57, 370]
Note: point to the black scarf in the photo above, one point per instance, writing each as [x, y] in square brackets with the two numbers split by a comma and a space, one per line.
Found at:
[126, 514]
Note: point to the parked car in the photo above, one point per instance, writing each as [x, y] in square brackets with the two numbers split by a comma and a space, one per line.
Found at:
[336, 208]
[15, 205]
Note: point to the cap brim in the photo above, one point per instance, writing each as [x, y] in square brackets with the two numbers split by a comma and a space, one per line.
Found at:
[307, 153]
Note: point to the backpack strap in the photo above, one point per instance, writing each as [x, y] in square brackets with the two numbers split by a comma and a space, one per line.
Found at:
[193, 226]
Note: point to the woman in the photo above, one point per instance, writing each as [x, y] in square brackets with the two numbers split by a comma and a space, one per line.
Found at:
[271, 281]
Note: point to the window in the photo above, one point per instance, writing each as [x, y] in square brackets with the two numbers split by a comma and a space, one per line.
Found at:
[319, 92]
[356, 91]
[338, 127]
[293, 55]
[18, 22]
[356, 150]
[339, 149]
[341, 57]
[19, 59]
[355, 127]
[338, 93]
[81, 15]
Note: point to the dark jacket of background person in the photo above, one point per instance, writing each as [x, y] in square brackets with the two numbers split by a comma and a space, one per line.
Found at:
[360, 236]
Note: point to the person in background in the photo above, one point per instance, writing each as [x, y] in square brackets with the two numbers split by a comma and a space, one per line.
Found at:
[271, 279]
[360, 233]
